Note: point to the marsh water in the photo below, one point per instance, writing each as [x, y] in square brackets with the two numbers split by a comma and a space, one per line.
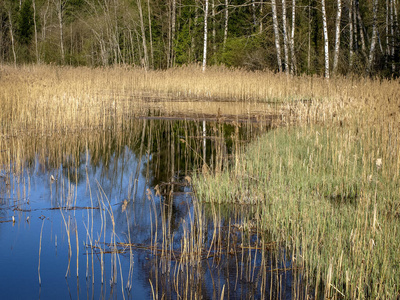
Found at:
[111, 214]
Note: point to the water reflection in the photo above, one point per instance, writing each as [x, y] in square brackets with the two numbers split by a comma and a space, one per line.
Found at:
[110, 214]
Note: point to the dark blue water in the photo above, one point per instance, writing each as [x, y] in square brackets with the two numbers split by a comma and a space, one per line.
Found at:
[79, 201]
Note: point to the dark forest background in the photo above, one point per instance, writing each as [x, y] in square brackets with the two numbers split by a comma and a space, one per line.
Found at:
[297, 36]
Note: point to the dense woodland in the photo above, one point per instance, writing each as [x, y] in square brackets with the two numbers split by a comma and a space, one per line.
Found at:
[323, 37]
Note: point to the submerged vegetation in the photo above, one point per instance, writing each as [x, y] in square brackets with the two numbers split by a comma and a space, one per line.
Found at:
[318, 194]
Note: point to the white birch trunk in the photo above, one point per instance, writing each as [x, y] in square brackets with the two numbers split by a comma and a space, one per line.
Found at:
[151, 62]
[44, 21]
[285, 37]
[309, 37]
[337, 36]
[292, 52]
[326, 41]
[145, 54]
[261, 13]
[12, 38]
[36, 34]
[276, 34]
[60, 12]
[205, 37]
[214, 32]
[225, 25]
[173, 29]
[392, 44]
[374, 37]
[355, 25]
[253, 6]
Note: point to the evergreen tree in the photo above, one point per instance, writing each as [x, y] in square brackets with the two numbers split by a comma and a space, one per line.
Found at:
[25, 26]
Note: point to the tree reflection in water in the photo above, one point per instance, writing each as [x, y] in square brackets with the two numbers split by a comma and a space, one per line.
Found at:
[119, 212]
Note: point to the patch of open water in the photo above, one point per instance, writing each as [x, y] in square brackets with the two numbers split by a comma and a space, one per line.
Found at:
[111, 214]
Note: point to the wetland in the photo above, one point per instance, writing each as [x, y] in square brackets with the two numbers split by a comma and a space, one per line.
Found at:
[178, 184]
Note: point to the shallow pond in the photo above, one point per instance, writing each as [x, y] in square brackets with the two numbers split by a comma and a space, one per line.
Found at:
[111, 214]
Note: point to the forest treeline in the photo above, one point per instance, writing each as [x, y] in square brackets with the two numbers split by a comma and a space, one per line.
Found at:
[296, 36]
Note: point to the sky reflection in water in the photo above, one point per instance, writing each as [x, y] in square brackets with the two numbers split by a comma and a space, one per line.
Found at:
[137, 175]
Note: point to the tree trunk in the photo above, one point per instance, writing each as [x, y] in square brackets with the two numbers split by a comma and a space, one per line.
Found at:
[44, 21]
[36, 34]
[355, 27]
[145, 62]
[205, 37]
[392, 34]
[214, 32]
[193, 46]
[261, 13]
[151, 62]
[309, 37]
[253, 7]
[361, 29]
[326, 41]
[285, 37]
[60, 11]
[276, 34]
[351, 34]
[132, 49]
[12, 38]
[337, 36]
[173, 30]
[395, 32]
[292, 52]
[374, 37]
[388, 50]
[225, 25]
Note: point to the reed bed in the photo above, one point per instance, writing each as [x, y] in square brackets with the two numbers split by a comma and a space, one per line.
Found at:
[323, 186]
[327, 189]
[49, 99]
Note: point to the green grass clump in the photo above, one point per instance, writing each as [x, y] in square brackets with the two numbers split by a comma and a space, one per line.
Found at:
[331, 195]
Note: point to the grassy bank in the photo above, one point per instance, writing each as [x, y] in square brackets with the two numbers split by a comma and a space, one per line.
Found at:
[328, 190]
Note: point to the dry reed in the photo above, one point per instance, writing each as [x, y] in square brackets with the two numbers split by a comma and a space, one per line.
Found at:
[326, 190]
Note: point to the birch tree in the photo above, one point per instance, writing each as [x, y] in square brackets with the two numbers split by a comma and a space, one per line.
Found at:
[276, 34]
[173, 29]
[337, 36]
[285, 37]
[205, 37]
[392, 34]
[60, 5]
[36, 33]
[12, 37]
[151, 62]
[374, 37]
[44, 18]
[225, 24]
[214, 32]
[292, 52]
[261, 13]
[351, 33]
[143, 33]
[326, 41]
